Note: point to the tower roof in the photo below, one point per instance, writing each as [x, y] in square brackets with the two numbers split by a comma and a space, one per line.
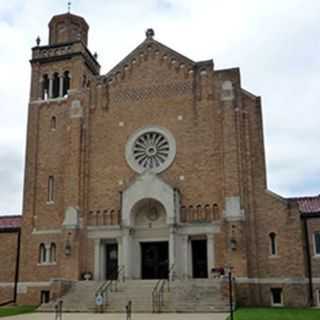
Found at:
[68, 16]
[67, 27]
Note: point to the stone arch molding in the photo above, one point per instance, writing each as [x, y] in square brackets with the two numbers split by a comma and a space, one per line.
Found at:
[149, 186]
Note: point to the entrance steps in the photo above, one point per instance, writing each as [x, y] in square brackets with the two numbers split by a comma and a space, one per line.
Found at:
[196, 295]
[79, 298]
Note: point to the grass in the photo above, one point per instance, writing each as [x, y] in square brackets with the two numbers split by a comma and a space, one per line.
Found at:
[276, 314]
[12, 311]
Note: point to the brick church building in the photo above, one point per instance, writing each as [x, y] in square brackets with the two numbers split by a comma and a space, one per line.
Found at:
[155, 169]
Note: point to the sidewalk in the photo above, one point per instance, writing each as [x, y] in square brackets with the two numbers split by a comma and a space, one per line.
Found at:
[121, 316]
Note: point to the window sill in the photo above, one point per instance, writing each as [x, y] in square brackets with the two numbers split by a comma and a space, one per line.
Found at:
[274, 256]
[46, 264]
[316, 256]
[58, 99]
[50, 203]
[277, 305]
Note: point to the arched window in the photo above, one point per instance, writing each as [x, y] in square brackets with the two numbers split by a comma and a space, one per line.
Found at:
[42, 253]
[273, 244]
[53, 252]
[53, 123]
[51, 189]
[66, 83]
[45, 87]
[55, 85]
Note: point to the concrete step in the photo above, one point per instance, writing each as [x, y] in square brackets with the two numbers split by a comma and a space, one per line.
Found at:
[196, 295]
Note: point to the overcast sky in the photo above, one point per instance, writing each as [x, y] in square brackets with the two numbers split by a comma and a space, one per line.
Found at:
[275, 43]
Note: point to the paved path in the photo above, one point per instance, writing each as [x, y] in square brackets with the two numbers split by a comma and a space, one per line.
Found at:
[108, 316]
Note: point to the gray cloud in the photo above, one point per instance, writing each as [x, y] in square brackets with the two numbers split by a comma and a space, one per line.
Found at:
[276, 47]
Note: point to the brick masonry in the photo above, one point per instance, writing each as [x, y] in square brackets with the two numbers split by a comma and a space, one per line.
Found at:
[220, 154]
[8, 254]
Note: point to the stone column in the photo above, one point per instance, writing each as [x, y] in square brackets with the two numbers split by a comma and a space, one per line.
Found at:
[50, 94]
[61, 85]
[210, 253]
[126, 252]
[103, 261]
[48, 252]
[172, 246]
[185, 256]
[120, 252]
[97, 244]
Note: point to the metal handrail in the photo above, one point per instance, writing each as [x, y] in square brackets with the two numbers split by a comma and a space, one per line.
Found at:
[161, 294]
[154, 295]
[119, 276]
[158, 290]
[107, 285]
[170, 275]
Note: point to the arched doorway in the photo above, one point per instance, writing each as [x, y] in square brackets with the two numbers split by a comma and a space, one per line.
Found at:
[151, 237]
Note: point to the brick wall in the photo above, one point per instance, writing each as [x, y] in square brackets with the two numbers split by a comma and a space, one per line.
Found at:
[8, 254]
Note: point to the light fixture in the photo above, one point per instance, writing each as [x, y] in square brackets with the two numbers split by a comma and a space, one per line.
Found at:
[67, 248]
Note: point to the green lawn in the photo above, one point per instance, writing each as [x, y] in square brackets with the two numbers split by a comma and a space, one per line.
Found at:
[276, 314]
[12, 311]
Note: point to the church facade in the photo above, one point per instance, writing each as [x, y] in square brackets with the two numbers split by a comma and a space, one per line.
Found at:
[157, 168]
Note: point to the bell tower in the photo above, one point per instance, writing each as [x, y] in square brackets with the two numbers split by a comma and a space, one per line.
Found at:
[62, 74]
[66, 62]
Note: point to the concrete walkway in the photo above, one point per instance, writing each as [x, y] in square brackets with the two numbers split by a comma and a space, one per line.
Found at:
[117, 316]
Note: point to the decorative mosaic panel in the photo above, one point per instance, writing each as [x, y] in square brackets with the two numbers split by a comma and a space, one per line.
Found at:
[152, 92]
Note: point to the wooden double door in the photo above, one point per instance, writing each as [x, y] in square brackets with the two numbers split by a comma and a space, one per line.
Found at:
[155, 260]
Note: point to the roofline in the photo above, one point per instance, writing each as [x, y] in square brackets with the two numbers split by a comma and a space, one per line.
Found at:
[10, 230]
[305, 197]
[135, 51]
[310, 215]
[10, 216]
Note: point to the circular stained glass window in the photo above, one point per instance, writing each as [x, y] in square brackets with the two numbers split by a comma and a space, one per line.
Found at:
[150, 149]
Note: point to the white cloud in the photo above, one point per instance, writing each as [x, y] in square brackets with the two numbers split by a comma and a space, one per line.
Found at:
[275, 43]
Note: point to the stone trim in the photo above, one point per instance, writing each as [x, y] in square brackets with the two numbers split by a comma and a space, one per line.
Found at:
[244, 280]
[42, 232]
[26, 284]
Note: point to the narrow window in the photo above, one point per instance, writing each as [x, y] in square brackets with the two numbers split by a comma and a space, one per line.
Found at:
[51, 189]
[55, 85]
[273, 244]
[45, 87]
[66, 83]
[317, 243]
[53, 253]
[53, 123]
[276, 297]
[227, 91]
[42, 254]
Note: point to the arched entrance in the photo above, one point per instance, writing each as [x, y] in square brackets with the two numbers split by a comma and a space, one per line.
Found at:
[151, 235]
[149, 213]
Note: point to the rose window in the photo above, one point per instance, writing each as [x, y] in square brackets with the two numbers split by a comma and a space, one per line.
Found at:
[150, 149]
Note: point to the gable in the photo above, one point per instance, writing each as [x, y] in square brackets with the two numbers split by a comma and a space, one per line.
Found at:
[152, 70]
[150, 48]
